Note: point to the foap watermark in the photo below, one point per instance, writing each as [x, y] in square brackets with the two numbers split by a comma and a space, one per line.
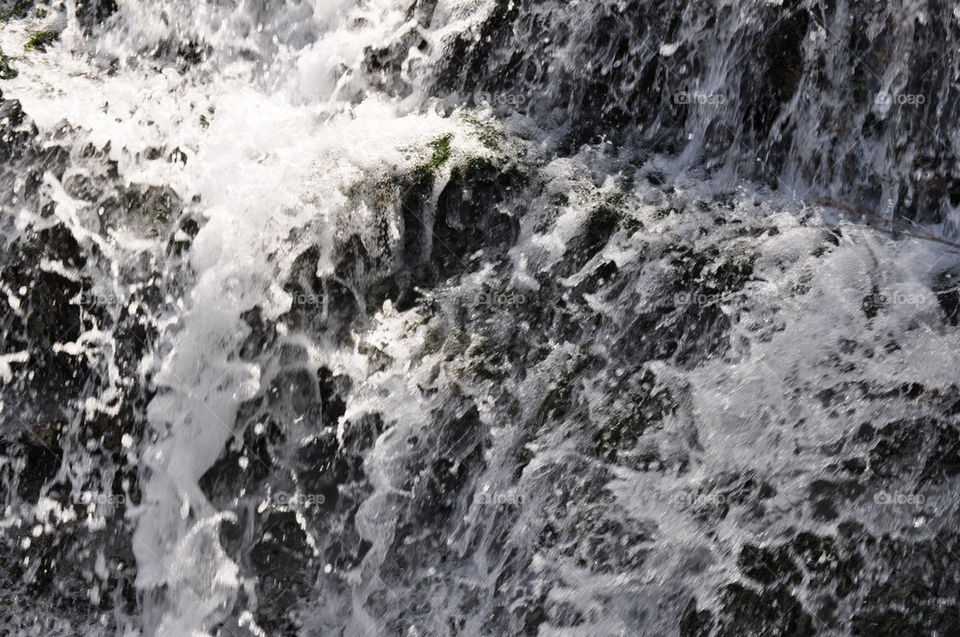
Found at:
[886, 498]
[696, 298]
[498, 498]
[895, 298]
[699, 98]
[305, 298]
[98, 500]
[687, 499]
[92, 299]
[886, 98]
[513, 100]
[501, 299]
[285, 500]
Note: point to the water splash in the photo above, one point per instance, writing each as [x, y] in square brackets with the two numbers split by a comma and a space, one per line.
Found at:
[476, 318]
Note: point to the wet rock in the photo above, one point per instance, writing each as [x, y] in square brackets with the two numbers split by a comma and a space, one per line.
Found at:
[320, 305]
[15, 9]
[181, 54]
[917, 595]
[384, 66]
[768, 567]
[15, 136]
[648, 404]
[92, 13]
[472, 213]
[774, 612]
[441, 470]
[146, 210]
[7, 71]
[781, 68]
[715, 82]
[600, 224]
[68, 402]
[239, 469]
[902, 444]
[45, 316]
[277, 560]
[947, 289]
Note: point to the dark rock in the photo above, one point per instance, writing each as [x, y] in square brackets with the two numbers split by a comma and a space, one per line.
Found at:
[93, 13]
[775, 612]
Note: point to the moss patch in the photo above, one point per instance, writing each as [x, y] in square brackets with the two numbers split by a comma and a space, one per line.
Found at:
[422, 177]
[479, 164]
[441, 151]
[489, 137]
[40, 40]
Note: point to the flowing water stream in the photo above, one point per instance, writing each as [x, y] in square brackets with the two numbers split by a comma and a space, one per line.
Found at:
[479, 317]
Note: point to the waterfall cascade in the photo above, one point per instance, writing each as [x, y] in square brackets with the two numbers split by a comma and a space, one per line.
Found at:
[470, 317]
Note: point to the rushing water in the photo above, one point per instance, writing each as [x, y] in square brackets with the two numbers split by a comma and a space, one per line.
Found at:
[470, 317]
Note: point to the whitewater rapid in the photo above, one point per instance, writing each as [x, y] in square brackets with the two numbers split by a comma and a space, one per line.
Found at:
[392, 354]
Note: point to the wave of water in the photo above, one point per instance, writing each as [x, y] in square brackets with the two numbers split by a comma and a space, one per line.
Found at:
[463, 318]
